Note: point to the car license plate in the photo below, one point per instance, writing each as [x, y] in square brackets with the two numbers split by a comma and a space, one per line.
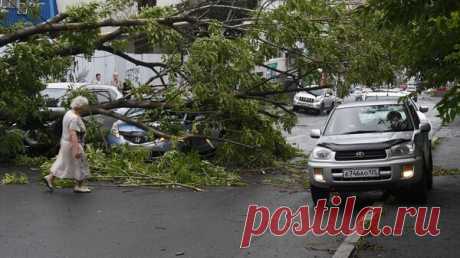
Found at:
[360, 172]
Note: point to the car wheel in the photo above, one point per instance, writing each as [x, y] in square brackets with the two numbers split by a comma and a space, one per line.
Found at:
[419, 192]
[331, 108]
[318, 193]
[420, 195]
[429, 171]
[295, 108]
[321, 109]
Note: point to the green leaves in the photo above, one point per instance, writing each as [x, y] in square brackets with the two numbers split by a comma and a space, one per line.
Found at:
[424, 37]
[14, 179]
[449, 107]
[11, 143]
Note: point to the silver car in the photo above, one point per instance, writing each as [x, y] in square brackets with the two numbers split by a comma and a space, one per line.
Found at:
[318, 100]
[371, 146]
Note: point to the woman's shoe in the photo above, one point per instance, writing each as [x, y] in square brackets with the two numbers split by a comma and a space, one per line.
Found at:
[81, 189]
[48, 183]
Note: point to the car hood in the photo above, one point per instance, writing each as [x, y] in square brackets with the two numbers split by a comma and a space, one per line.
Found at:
[129, 128]
[305, 94]
[365, 141]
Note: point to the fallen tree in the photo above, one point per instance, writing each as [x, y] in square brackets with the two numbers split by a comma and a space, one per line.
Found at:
[210, 53]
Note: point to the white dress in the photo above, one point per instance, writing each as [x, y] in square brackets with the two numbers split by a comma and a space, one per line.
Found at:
[66, 165]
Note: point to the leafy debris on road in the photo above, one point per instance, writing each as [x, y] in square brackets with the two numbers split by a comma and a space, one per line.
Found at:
[284, 174]
[14, 179]
[128, 167]
[435, 142]
[439, 171]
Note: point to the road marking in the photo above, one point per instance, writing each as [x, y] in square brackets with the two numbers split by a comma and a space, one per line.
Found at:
[348, 246]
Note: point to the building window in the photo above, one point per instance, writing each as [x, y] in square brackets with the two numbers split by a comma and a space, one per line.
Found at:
[22, 6]
[6, 3]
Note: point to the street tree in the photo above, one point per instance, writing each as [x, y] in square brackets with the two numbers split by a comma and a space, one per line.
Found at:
[424, 37]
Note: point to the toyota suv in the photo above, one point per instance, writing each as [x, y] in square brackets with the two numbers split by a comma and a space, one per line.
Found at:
[375, 145]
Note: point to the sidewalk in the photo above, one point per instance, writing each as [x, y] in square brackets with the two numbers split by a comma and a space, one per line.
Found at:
[445, 194]
[447, 153]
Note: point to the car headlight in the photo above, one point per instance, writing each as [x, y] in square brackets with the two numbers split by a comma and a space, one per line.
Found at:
[321, 153]
[403, 149]
[296, 98]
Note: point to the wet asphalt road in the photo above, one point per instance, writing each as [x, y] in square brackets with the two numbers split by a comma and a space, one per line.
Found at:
[119, 222]
[445, 195]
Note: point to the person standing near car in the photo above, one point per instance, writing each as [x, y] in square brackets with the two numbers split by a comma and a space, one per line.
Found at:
[71, 160]
[116, 82]
[98, 79]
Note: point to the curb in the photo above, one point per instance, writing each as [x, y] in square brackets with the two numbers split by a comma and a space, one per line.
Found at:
[348, 247]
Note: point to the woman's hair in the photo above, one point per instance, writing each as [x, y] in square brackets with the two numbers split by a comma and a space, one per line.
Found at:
[79, 102]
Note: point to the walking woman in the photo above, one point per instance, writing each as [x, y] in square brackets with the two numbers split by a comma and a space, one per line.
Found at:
[71, 161]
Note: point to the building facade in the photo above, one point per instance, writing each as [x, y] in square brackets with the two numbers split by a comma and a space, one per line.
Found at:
[14, 11]
[107, 64]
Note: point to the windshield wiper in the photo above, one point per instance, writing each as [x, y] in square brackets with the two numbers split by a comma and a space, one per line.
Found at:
[362, 131]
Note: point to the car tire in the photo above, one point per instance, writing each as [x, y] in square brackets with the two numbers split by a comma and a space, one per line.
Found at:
[331, 108]
[295, 109]
[321, 109]
[318, 193]
[429, 171]
[419, 191]
[420, 195]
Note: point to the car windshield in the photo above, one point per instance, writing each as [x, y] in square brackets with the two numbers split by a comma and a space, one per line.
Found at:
[369, 119]
[53, 96]
[51, 93]
[133, 112]
[318, 92]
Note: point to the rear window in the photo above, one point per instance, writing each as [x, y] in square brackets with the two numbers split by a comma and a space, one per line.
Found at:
[102, 96]
[53, 96]
[50, 93]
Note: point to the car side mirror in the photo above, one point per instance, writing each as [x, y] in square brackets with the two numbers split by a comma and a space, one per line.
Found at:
[425, 127]
[315, 133]
[423, 109]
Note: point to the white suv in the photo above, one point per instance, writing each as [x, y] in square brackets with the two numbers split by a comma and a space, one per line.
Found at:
[318, 100]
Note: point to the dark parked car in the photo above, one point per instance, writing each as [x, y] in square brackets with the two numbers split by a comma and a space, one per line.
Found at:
[123, 133]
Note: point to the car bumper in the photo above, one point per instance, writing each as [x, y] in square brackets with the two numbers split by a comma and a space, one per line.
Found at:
[390, 174]
[309, 105]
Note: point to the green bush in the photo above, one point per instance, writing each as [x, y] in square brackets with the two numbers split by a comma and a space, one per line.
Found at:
[11, 144]
[14, 178]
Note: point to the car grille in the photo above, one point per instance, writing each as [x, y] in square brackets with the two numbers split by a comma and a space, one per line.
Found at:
[385, 174]
[360, 155]
[135, 138]
[305, 99]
